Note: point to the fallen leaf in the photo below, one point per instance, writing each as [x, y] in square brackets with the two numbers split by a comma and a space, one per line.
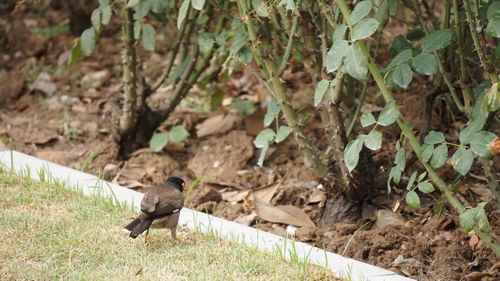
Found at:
[474, 240]
[494, 267]
[287, 214]
[477, 276]
[483, 192]
[266, 193]
[132, 184]
[217, 124]
[235, 196]
[317, 196]
[247, 219]
[386, 218]
[494, 146]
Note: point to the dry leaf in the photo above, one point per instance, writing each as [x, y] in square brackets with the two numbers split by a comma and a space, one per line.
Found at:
[266, 193]
[396, 206]
[317, 196]
[483, 192]
[494, 146]
[246, 220]
[216, 124]
[132, 184]
[287, 214]
[477, 276]
[386, 218]
[234, 196]
[474, 240]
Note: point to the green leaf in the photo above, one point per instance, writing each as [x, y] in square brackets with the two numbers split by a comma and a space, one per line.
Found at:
[398, 45]
[437, 40]
[426, 187]
[395, 175]
[402, 75]
[320, 91]
[411, 181]
[261, 8]
[462, 160]
[290, 5]
[262, 154]
[265, 137]
[137, 29]
[206, 41]
[415, 34]
[142, 9]
[471, 217]
[434, 137]
[389, 114]
[158, 141]
[132, 3]
[426, 151]
[182, 13]
[178, 71]
[95, 19]
[422, 176]
[412, 200]
[493, 27]
[148, 37]
[439, 156]
[178, 134]
[364, 29]
[402, 57]
[244, 107]
[273, 109]
[382, 15]
[76, 53]
[339, 33]
[198, 4]
[355, 64]
[425, 64]
[367, 119]
[335, 55]
[479, 143]
[351, 153]
[400, 159]
[105, 14]
[283, 133]
[468, 132]
[361, 10]
[374, 140]
[88, 40]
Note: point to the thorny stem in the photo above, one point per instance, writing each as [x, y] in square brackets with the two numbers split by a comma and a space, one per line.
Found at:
[289, 45]
[485, 63]
[128, 118]
[408, 133]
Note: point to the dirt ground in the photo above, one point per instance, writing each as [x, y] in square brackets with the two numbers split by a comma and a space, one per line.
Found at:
[63, 115]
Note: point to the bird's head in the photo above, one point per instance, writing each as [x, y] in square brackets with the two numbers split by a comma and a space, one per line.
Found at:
[176, 182]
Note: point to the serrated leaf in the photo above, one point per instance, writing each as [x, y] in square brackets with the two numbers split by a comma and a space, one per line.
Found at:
[403, 56]
[412, 200]
[425, 64]
[351, 153]
[158, 141]
[361, 10]
[88, 40]
[374, 140]
[411, 181]
[273, 109]
[462, 160]
[283, 133]
[335, 55]
[244, 107]
[479, 143]
[178, 134]
[364, 29]
[198, 4]
[434, 137]
[182, 13]
[148, 37]
[265, 137]
[402, 75]
[355, 64]
[439, 156]
[76, 53]
[437, 40]
[425, 187]
[320, 91]
[426, 151]
[389, 114]
[339, 33]
[367, 119]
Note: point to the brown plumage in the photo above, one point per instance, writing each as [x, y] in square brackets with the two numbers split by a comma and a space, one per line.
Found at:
[160, 208]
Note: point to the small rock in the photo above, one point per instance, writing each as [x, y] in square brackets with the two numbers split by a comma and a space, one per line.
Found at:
[386, 218]
[291, 230]
[54, 104]
[44, 84]
[111, 168]
[94, 79]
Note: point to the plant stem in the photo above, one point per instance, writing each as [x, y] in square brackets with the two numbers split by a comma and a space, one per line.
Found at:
[405, 128]
[289, 45]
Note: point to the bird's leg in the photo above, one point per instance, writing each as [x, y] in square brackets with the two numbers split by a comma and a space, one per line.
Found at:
[146, 237]
[173, 231]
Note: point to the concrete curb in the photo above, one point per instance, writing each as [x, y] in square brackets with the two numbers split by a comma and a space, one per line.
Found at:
[264, 241]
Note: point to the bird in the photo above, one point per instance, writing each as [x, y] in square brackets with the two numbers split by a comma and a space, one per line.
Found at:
[160, 208]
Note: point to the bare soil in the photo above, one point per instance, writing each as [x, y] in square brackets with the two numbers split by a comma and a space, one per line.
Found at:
[63, 115]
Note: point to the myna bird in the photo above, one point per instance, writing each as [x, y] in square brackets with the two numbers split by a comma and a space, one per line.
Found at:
[160, 208]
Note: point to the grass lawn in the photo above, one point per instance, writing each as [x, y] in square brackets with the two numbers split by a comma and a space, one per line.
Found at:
[49, 233]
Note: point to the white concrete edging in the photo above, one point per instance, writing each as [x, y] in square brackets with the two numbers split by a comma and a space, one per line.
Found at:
[198, 221]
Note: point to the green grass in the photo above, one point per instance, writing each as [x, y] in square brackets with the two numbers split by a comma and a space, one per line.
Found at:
[50, 233]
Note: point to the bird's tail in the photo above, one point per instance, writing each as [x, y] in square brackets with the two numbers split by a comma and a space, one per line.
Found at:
[138, 227]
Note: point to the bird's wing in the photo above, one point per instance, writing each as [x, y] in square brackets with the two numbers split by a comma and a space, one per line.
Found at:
[148, 203]
[162, 201]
